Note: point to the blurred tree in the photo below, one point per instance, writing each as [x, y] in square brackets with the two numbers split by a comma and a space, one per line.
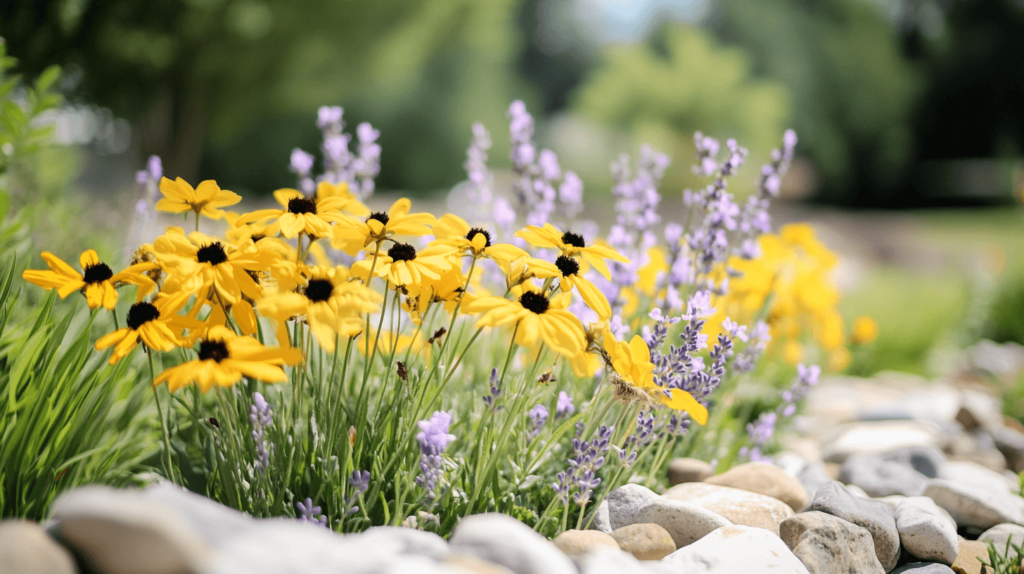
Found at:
[240, 80]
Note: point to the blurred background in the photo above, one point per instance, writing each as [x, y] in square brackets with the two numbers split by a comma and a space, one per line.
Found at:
[909, 114]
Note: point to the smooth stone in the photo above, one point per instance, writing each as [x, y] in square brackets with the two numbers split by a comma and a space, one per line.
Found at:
[398, 540]
[740, 507]
[682, 470]
[857, 491]
[927, 461]
[213, 521]
[977, 447]
[126, 532]
[967, 558]
[877, 517]
[603, 560]
[1001, 533]
[598, 519]
[575, 542]
[923, 568]
[876, 438]
[625, 504]
[828, 544]
[506, 541]
[880, 477]
[461, 564]
[978, 409]
[1010, 442]
[645, 541]
[25, 548]
[965, 472]
[812, 477]
[685, 522]
[736, 550]
[974, 506]
[765, 479]
[892, 500]
[926, 531]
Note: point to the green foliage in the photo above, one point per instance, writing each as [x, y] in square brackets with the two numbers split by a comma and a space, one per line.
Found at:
[1008, 561]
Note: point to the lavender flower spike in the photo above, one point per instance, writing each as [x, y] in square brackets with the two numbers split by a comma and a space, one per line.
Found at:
[310, 513]
[564, 407]
[433, 439]
[261, 417]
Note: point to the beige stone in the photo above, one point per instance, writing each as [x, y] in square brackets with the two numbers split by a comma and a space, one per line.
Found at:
[967, 558]
[765, 479]
[682, 470]
[576, 542]
[645, 541]
[739, 506]
[25, 548]
[462, 564]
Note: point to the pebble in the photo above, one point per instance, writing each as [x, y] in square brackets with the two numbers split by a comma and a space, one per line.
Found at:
[506, 541]
[685, 522]
[978, 409]
[877, 517]
[975, 447]
[397, 540]
[967, 558]
[736, 550]
[738, 506]
[576, 542]
[974, 506]
[927, 461]
[892, 500]
[1010, 442]
[926, 531]
[682, 470]
[602, 560]
[923, 568]
[25, 548]
[972, 473]
[461, 564]
[827, 544]
[812, 477]
[645, 541]
[881, 477]
[126, 532]
[765, 479]
[625, 503]
[1001, 533]
[857, 491]
[877, 437]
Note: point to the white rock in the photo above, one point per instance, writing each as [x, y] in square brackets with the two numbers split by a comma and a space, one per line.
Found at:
[876, 437]
[395, 540]
[926, 531]
[735, 505]
[626, 502]
[26, 549]
[686, 522]
[857, 491]
[966, 472]
[603, 560]
[975, 506]
[892, 500]
[736, 550]
[1000, 533]
[598, 519]
[506, 541]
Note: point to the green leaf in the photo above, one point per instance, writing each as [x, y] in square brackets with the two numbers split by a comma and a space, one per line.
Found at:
[47, 79]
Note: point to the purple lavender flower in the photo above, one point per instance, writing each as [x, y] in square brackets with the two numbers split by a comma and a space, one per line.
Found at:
[564, 406]
[762, 430]
[587, 459]
[261, 417]
[358, 483]
[310, 513]
[538, 415]
[491, 400]
[747, 359]
[141, 229]
[301, 164]
[433, 439]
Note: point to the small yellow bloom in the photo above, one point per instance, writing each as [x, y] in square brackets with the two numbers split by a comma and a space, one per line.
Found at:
[536, 318]
[865, 330]
[569, 269]
[406, 267]
[388, 341]
[571, 244]
[97, 282]
[157, 324]
[352, 235]
[207, 199]
[452, 230]
[310, 215]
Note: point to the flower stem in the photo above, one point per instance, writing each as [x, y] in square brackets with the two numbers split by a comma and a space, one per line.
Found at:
[168, 467]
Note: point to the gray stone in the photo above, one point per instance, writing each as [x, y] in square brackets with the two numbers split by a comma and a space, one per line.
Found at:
[1010, 442]
[506, 541]
[686, 522]
[682, 470]
[738, 506]
[626, 502]
[978, 409]
[576, 542]
[598, 518]
[977, 447]
[736, 550]
[975, 506]
[812, 477]
[926, 531]
[923, 568]
[765, 479]
[213, 521]
[965, 472]
[876, 438]
[880, 477]
[927, 461]
[645, 541]
[828, 544]
[125, 531]
[892, 500]
[1001, 533]
[25, 548]
[877, 517]
[397, 540]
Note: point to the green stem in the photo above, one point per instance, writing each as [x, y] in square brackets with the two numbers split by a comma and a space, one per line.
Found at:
[168, 468]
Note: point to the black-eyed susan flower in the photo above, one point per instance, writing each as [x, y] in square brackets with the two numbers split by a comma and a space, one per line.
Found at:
[310, 215]
[568, 269]
[156, 324]
[352, 235]
[632, 363]
[224, 358]
[329, 302]
[406, 267]
[524, 269]
[571, 244]
[452, 230]
[96, 281]
[537, 317]
[206, 199]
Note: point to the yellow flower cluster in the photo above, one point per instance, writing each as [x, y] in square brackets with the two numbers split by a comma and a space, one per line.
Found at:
[209, 291]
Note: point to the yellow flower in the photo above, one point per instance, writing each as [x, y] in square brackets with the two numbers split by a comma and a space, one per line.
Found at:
[447, 289]
[310, 215]
[403, 266]
[633, 364]
[97, 282]
[401, 343]
[569, 270]
[156, 324]
[524, 269]
[202, 265]
[224, 358]
[865, 330]
[452, 230]
[207, 199]
[352, 235]
[536, 318]
[571, 244]
[330, 303]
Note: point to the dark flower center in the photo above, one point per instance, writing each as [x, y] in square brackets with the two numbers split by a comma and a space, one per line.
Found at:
[567, 265]
[97, 273]
[141, 313]
[534, 301]
[380, 216]
[213, 350]
[574, 239]
[319, 290]
[213, 253]
[402, 252]
[301, 205]
[257, 236]
[478, 231]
